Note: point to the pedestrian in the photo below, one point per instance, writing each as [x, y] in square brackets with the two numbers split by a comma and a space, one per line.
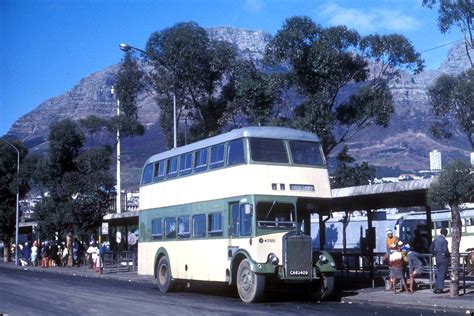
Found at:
[470, 261]
[390, 240]
[415, 265]
[419, 243]
[45, 255]
[34, 254]
[439, 248]
[395, 264]
[75, 252]
[25, 261]
[65, 255]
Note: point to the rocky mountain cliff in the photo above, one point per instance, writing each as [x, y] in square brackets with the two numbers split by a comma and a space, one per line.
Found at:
[405, 143]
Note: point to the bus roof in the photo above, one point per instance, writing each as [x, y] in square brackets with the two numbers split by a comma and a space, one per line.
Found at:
[252, 131]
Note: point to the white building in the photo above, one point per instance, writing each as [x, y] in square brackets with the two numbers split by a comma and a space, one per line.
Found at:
[435, 161]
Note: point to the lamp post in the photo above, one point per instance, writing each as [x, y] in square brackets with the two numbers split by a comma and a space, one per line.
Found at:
[119, 189]
[125, 48]
[17, 217]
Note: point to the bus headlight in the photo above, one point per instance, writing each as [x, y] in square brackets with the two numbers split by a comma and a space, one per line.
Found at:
[323, 258]
[273, 259]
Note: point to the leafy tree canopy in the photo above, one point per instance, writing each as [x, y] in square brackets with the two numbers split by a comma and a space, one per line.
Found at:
[453, 97]
[348, 174]
[10, 183]
[325, 61]
[457, 13]
[197, 70]
[78, 182]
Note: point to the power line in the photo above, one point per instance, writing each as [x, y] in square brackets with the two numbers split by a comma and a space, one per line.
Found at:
[459, 40]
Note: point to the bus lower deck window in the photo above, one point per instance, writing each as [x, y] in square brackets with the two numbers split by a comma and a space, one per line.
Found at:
[199, 225]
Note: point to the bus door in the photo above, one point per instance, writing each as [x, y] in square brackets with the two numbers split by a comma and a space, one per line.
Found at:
[240, 225]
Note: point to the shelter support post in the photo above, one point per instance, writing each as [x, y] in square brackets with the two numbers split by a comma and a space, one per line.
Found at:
[429, 224]
[370, 237]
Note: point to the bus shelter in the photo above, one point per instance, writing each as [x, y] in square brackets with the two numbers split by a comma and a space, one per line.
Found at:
[370, 198]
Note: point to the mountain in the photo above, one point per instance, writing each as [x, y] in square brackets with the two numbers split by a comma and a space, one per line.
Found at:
[405, 143]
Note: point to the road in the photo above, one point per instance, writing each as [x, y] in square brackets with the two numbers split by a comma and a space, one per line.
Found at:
[40, 293]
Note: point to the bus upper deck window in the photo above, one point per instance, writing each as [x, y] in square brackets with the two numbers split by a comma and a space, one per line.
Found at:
[159, 171]
[147, 174]
[200, 160]
[268, 150]
[235, 152]
[306, 153]
[185, 164]
[171, 167]
[217, 156]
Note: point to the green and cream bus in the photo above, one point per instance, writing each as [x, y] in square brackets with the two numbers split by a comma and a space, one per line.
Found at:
[236, 208]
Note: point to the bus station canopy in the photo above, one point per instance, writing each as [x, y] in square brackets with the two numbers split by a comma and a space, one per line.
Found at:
[385, 195]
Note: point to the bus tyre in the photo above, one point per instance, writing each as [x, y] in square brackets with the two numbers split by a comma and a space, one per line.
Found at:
[163, 275]
[322, 289]
[249, 284]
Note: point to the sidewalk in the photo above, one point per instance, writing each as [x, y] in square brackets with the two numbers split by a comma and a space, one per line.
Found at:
[423, 298]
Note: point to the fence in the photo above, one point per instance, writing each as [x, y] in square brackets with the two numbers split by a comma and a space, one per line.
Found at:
[360, 263]
[115, 262]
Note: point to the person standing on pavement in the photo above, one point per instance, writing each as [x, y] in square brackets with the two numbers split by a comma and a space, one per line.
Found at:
[34, 254]
[390, 240]
[395, 264]
[439, 248]
[415, 265]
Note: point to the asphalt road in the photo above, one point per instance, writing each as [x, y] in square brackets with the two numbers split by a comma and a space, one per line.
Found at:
[37, 293]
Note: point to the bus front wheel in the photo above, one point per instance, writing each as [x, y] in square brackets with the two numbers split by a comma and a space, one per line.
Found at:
[249, 284]
[163, 275]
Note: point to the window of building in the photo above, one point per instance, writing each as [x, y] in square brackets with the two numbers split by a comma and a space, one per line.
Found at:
[159, 171]
[306, 153]
[199, 225]
[156, 229]
[183, 227]
[185, 162]
[235, 152]
[172, 167]
[170, 227]
[217, 156]
[268, 150]
[214, 224]
[147, 174]
[200, 160]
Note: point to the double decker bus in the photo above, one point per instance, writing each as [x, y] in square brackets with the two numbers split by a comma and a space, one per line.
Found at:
[236, 208]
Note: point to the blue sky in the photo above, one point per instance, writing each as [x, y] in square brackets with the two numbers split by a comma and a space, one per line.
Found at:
[47, 46]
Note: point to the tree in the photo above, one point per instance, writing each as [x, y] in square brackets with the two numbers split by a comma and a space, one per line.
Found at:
[128, 84]
[349, 174]
[78, 182]
[197, 70]
[459, 13]
[10, 183]
[454, 186]
[453, 96]
[325, 63]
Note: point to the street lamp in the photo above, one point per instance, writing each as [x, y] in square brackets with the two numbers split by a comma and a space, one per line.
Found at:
[17, 220]
[125, 48]
[119, 189]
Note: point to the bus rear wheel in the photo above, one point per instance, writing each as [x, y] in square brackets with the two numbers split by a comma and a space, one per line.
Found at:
[249, 284]
[163, 275]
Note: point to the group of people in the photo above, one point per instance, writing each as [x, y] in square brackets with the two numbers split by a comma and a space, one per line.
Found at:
[405, 257]
[402, 258]
[49, 254]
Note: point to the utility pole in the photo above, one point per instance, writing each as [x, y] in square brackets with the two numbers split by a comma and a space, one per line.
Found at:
[119, 189]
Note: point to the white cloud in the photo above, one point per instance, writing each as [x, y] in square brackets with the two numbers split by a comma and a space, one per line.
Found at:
[370, 20]
[253, 5]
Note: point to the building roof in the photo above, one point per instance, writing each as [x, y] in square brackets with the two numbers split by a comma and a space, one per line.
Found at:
[385, 195]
